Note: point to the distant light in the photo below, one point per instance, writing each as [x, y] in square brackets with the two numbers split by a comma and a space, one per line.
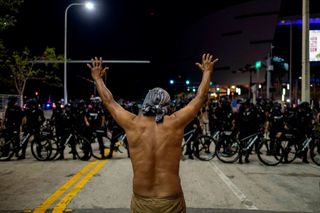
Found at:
[260, 86]
[211, 83]
[238, 90]
[194, 90]
[288, 100]
[90, 5]
[298, 21]
[48, 105]
[233, 87]
[258, 64]
[288, 86]
[213, 94]
[187, 82]
[218, 89]
[277, 59]
[171, 81]
[283, 91]
[228, 91]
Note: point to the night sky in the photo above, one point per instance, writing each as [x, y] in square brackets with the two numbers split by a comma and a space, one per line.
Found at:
[117, 30]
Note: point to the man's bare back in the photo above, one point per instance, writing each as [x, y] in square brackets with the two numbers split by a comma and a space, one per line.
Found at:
[155, 151]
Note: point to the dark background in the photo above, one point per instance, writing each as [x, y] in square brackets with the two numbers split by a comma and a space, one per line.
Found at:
[123, 30]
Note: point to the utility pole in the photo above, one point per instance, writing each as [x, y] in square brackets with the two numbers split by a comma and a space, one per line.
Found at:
[305, 83]
[290, 66]
[269, 70]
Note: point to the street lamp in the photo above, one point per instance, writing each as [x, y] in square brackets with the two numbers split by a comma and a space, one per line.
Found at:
[89, 6]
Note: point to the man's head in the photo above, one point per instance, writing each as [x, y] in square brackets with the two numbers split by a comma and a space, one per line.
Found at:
[156, 103]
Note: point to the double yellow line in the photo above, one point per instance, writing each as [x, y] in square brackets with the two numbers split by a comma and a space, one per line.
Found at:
[61, 206]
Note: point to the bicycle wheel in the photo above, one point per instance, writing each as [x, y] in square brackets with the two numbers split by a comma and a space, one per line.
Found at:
[227, 150]
[83, 148]
[100, 151]
[289, 151]
[315, 152]
[55, 149]
[204, 148]
[41, 148]
[270, 152]
[6, 149]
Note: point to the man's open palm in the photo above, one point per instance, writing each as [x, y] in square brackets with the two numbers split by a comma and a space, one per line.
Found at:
[97, 69]
[207, 63]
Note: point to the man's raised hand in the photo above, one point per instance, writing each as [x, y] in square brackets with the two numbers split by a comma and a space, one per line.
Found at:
[207, 63]
[97, 69]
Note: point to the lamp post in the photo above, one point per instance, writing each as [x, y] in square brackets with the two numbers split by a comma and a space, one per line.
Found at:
[89, 6]
[305, 82]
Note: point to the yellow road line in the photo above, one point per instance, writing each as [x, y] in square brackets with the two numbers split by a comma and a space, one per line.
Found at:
[61, 206]
[47, 203]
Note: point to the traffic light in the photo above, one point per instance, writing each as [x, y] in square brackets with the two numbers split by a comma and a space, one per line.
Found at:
[258, 64]
[187, 82]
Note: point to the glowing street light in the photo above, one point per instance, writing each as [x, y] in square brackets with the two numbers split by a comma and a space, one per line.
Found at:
[89, 6]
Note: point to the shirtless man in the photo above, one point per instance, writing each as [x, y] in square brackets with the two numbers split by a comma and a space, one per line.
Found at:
[155, 138]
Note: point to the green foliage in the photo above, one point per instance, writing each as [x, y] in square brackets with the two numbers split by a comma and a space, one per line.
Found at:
[50, 55]
[24, 66]
[9, 10]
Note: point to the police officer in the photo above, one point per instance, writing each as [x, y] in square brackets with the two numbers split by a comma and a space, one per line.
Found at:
[247, 124]
[13, 119]
[95, 120]
[57, 119]
[34, 118]
[224, 115]
[276, 123]
[67, 125]
[304, 125]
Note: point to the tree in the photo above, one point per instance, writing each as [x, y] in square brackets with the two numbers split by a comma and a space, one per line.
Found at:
[9, 10]
[24, 67]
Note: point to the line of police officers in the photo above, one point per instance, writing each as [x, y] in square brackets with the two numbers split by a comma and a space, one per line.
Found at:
[88, 117]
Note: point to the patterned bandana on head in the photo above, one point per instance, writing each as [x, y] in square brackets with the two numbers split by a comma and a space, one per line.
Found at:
[156, 103]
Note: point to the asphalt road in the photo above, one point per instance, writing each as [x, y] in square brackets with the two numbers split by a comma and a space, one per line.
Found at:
[105, 186]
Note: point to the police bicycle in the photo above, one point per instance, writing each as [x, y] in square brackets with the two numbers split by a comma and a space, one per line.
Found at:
[229, 149]
[295, 148]
[201, 146]
[79, 145]
[11, 144]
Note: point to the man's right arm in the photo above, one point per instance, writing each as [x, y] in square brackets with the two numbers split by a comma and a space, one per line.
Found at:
[119, 114]
[186, 114]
